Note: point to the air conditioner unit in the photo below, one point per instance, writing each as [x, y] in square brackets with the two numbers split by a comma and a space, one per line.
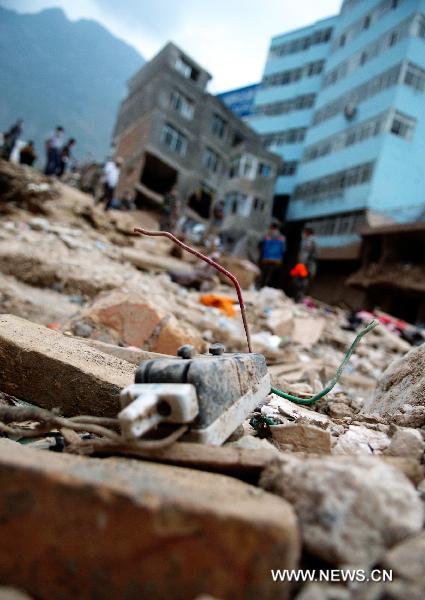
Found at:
[350, 111]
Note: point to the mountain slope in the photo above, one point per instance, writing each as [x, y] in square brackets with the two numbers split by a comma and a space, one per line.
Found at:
[56, 71]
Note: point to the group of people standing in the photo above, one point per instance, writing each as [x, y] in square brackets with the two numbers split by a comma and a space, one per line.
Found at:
[272, 254]
[58, 153]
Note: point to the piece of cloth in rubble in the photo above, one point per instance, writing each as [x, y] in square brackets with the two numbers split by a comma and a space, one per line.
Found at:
[300, 270]
[225, 304]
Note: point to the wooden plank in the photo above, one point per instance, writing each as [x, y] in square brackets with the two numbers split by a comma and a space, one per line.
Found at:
[243, 463]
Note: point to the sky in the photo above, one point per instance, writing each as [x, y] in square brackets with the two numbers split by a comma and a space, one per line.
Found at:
[229, 38]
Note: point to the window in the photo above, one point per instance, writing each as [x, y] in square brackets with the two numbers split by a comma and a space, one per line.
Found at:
[237, 138]
[332, 186]
[186, 69]
[211, 160]
[259, 205]
[248, 167]
[315, 68]
[234, 167]
[419, 26]
[238, 203]
[342, 224]
[288, 168]
[182, 104]
[403, 126]
[356, 28]
[264, 170]
[318, 37]
[174, 139]
[288, 136]
[292, 104]
[359, 94]
[293, 75]
[415, 77]
[410, 26]
[218, 125]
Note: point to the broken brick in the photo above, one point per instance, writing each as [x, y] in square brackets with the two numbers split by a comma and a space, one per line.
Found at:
[136, 321]
[123, 528]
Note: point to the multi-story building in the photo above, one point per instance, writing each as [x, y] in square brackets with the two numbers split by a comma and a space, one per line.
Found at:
[355, 156]
[286, 97]
[364, 154]
[171, 132]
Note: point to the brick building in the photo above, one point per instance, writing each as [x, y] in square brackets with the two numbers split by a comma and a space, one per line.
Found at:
[171, 131]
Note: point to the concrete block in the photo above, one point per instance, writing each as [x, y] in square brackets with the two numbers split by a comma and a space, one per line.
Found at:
[52, 370]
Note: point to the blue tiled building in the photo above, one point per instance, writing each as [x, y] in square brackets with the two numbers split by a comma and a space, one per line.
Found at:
[343, 102]
[286, 97]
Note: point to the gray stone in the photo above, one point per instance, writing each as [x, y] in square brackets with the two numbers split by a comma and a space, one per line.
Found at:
[361, 440]
[407, 560]
[351, 509]
[82, 329]
[407, 442]
[402, 383]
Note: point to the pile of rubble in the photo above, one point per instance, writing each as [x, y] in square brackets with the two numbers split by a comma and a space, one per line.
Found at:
[338, 485]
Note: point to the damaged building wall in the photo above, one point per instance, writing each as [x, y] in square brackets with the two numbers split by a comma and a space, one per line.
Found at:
[171, 131]
[392, 270]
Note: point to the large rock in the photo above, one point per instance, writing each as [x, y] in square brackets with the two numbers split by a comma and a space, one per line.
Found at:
[407, 559]
[359, 439]
[351, 509]
[301, 437]
[137, 321]
[148, 261]
[402, 383]
[121, 528]
[244, 270]
[53, 370]
[407, 442]
[281, 321]
[44, 263]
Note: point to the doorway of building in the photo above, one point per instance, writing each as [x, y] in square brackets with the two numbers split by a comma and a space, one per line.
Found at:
[156, 179]
[200, 201]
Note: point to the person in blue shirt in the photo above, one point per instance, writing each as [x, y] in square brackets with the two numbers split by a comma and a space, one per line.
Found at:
[272, 251]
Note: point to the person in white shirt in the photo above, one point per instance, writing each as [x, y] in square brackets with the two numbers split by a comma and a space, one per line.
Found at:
[54, 145]
[111, 175]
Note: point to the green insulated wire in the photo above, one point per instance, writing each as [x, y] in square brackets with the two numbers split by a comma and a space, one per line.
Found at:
[331, 384]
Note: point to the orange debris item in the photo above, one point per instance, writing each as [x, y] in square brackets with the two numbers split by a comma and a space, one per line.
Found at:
[223, 303]
[300, 270]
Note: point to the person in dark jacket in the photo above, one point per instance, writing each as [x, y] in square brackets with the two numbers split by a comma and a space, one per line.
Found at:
[27, 154]
[54, 144]
[308, 252]
[66, 156]
[10, 138]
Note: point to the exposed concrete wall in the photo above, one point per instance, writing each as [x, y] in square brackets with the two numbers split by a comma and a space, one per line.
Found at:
[139, 129]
